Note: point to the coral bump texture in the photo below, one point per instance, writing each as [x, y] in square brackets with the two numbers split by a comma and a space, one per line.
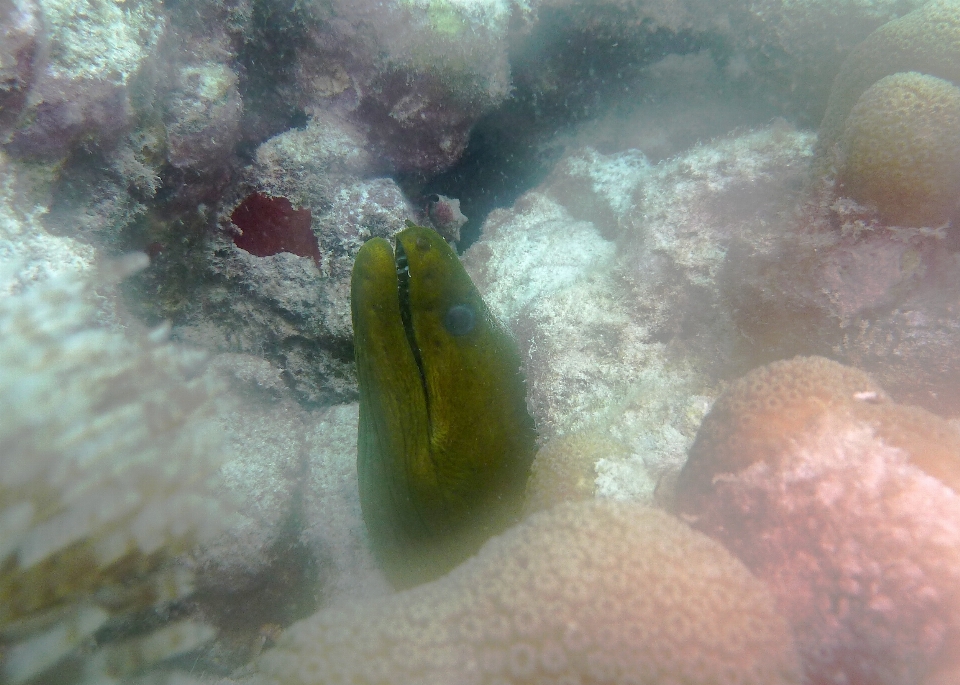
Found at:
[588, 592]
[846, 504]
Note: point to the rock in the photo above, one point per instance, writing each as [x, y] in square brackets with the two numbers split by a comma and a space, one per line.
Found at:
[295, 310]
[20, 27]
[82, 88]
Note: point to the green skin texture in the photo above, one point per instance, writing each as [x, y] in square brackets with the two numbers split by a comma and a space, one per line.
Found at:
[443, 450]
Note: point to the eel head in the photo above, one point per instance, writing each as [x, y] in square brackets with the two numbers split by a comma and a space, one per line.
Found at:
[445, 441]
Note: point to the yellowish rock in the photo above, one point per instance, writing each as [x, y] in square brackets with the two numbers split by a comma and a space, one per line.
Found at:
[564, 469]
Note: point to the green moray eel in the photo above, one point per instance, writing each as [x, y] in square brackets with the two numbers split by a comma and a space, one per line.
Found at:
[445, 441]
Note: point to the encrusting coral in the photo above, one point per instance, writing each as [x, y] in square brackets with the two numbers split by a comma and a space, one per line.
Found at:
[586, 592]
[847, 505]
[106, 476]
[894, 142]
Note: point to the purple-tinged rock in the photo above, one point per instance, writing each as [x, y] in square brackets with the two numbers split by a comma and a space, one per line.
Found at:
[414, 77]
[19, 28]
[81, 91]
[201, 110]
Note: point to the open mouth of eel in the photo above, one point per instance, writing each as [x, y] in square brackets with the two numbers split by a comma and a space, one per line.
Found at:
[406, 317]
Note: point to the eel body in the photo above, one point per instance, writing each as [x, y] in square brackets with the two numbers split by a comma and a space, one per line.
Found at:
[445, 440]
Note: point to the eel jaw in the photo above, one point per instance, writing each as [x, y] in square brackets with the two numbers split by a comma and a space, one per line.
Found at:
[406, 315]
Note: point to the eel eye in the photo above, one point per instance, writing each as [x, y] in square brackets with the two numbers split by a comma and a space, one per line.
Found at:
[459, 319]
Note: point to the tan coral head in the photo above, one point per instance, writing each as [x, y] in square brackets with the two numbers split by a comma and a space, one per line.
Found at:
[587, 592]
[900, 150]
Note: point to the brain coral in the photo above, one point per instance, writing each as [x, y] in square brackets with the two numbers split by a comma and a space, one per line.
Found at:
[926, 40]
[900, 149]
[832, 494]
[889, 135]
[585, 592]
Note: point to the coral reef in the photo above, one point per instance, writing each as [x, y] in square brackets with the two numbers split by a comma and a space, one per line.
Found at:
[924, 40]
[584, 592]
[109, 454]
[293, 310]
[147, 114]
[415, 77]
[832, 494]
[82, 89]
[643, 272]
[189, 126]
[309, 165]
[23, 242]
[793, 50]
[299, 543]
[277, 308]
[610, 275]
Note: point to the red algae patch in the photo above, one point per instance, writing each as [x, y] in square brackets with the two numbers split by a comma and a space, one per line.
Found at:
[270, 225]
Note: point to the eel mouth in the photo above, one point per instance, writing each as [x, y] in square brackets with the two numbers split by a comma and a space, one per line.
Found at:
[406, 316]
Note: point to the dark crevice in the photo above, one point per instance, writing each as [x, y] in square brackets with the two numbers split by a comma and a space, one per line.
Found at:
[571, 70]
[267, 60]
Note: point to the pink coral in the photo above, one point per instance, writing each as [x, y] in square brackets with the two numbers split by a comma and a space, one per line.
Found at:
[833, 495]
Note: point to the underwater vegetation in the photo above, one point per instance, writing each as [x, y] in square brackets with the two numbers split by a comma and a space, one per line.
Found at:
[445, 440]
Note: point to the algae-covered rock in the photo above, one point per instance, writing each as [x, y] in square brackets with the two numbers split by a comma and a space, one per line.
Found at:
[93, 52]
[415, 75]
[20, 26]
[610, 274]
[292, 309]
